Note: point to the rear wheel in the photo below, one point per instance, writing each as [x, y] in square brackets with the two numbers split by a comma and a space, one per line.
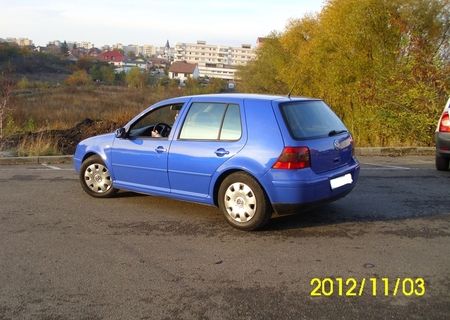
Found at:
[442, 163]
[243, 202]
[95, 178]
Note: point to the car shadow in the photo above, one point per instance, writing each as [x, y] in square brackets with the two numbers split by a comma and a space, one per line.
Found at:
[375, 199]
[129, 194]
[319, 216]
[343, 212]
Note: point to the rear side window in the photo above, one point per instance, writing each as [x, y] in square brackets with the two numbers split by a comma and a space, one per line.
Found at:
[310, 119]
[231, 128]
[212, 121]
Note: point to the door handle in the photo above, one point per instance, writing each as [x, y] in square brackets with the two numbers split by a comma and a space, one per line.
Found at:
[221, 152]
[160, 149]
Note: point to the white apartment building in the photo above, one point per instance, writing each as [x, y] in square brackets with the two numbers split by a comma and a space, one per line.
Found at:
[84, 44]
[23, 42]
[146, 50]
[134, 48]
[149, 50]
[214, 61]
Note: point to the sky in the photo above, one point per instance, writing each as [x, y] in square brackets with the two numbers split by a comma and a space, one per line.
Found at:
[226, 22]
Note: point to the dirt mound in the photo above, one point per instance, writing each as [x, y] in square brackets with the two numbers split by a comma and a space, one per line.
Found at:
[67, 139]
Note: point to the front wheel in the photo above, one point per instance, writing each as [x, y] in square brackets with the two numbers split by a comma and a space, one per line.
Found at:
[96, 179]
[243, 202]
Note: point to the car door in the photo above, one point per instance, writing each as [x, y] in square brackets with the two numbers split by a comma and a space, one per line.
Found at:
[211, 133]
[139, 160]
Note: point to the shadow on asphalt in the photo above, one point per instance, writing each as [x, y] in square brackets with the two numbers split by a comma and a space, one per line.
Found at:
[376, 198]
[327, 214]
[129, 194]
[334, 213]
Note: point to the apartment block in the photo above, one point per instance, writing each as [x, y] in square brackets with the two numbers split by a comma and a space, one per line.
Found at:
[84, 44]
[23, 42]
[214, 61]
[149, 50]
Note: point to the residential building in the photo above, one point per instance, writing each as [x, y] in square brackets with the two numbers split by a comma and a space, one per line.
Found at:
[214, 61]
[158, 64]
[182, 71]
[84, 44]
[117, 46]
[131, 49]
[94, 52]
[148, 50]
[127, 65]
[114, 57]
[166, 52]
[56, 43]
[23, 42]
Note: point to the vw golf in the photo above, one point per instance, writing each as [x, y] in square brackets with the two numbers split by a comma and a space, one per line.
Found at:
[250, 155]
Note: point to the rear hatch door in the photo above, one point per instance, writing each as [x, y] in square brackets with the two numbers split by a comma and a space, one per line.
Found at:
[311, 123]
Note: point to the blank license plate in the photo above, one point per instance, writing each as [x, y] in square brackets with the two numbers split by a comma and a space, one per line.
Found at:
[341, 181]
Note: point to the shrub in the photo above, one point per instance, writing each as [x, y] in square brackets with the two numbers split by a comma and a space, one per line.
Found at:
[135, 78]
[39, 145]
[23, 83]
[78, 78]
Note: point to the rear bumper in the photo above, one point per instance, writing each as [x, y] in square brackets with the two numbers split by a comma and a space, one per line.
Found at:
[289, 208]
[443, 144]
[291, 191]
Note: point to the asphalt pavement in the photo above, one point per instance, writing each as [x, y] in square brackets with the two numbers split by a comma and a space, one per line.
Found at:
[65, 255]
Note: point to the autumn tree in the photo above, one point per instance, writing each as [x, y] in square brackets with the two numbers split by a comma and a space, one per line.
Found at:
[78, 78]
[135, 78]
[382, 65]
[103, 73]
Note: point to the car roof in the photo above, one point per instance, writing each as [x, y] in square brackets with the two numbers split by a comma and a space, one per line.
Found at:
[245, 96]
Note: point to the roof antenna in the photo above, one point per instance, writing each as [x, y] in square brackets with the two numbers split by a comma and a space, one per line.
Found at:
[292, 89]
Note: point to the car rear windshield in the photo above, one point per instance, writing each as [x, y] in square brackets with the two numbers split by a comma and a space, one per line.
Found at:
[310, 119]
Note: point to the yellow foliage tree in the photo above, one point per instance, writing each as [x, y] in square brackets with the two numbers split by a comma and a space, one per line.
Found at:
[382, 65]
[135, 78]
[78, 78]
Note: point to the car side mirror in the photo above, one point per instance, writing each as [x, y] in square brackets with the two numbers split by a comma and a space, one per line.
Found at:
[121, 133]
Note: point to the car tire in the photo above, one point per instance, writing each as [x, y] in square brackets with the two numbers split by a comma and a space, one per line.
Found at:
[243, 202]
[442, 163]
[96, 179]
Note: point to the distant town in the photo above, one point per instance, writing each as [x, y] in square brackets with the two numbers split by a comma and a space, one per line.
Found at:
[183, 61]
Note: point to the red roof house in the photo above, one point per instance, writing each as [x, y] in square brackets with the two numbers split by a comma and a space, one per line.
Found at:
[115, 57]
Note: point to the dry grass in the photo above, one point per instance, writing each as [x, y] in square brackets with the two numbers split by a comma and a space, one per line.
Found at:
[37, 146]
[63, 107]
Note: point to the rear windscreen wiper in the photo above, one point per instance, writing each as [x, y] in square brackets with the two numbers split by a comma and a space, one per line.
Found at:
[335, 132]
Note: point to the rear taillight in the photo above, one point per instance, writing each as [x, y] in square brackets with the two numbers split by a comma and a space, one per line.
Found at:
[352, 143]
[293, 158]
[444, 124]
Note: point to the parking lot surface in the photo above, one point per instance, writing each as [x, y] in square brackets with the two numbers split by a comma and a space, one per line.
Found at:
[65, 255]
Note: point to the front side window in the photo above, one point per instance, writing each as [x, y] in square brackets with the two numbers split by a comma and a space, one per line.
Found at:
[212, 121]
[157, 123]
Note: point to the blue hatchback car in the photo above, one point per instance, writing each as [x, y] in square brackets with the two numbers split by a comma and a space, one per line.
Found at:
[248, 154]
